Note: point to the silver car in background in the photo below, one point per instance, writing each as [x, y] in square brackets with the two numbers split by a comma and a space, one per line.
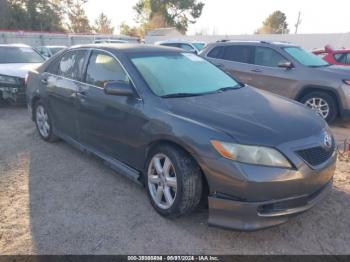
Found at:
[15, 62]
[287, 70]
[193, 47]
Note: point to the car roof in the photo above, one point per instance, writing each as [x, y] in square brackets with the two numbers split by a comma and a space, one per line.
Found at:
[254, 42]
[54, 46]
[14, 45]
[132, 48]
[340, 51]
[173, 42]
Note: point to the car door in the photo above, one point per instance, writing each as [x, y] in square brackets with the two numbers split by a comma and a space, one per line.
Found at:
[235, 60]
[109, 124]
[268, 75]
[62, 87]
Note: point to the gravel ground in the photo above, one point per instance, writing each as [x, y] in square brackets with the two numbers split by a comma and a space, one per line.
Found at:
[57, 200]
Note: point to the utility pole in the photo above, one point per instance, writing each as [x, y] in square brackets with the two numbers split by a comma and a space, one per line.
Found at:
[298, 23]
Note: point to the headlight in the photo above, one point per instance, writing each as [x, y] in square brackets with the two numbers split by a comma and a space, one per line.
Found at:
[256, 155]
[347, 82]
[8, 80]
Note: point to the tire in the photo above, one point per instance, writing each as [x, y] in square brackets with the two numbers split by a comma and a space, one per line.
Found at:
[48, 136]
[328, 99]
[188, 178]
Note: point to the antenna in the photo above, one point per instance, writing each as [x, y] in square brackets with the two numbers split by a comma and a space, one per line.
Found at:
[298, 23]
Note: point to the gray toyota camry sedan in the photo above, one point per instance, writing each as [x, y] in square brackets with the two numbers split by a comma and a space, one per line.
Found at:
[187, 131]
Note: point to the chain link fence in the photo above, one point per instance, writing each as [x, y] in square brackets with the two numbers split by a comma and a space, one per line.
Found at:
[36, 39]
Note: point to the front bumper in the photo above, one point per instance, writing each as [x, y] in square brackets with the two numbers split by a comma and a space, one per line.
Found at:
[249, 197]
[250, 216]
[345, 114]
[13, 94]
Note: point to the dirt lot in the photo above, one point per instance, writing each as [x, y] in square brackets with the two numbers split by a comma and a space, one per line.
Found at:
[57, 200]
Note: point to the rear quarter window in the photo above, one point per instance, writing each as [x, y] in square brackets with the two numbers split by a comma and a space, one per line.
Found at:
[237, 53]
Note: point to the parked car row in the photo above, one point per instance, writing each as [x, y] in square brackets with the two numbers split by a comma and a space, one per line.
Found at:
[189, 131]
[281, 68]
[190, 127]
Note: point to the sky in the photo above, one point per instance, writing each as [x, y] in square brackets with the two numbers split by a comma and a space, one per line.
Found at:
[230, 17]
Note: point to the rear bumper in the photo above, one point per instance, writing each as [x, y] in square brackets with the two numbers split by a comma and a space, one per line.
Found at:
[250, 216]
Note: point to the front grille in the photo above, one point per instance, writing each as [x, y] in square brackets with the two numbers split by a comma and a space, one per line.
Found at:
[285, 205]
[316, 155]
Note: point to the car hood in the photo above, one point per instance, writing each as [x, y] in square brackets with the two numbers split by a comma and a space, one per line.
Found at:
[250, 116]
[336, 69]
[17, 70]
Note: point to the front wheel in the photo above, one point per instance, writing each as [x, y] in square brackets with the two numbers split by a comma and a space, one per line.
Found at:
[323, 104]
[173, 181]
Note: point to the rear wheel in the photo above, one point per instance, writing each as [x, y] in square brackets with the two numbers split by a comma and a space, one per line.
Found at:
[323, 104]
[43, 122]
[173, 181]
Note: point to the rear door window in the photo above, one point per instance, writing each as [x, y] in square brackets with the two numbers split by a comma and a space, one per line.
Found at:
[103, 68]
[71, 64]
[216, 52]
[241, 54]
[265, 56]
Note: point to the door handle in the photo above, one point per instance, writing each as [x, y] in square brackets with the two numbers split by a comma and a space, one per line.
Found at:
[220, 65]
[256, 70]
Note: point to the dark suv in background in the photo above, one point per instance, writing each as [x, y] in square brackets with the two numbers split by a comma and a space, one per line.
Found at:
[287, 70]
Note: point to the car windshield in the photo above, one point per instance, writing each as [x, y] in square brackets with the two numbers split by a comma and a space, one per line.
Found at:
[9, 55]
[199, 46]
[305, 58]
[182, 75]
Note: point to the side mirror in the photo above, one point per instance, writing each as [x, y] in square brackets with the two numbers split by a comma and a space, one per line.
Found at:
[118, 88]
[194, 51]
[286, 65]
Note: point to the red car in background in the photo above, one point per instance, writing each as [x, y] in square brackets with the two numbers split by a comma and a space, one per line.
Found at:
[333, 56]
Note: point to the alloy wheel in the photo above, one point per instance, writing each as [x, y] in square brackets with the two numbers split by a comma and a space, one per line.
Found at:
[42, 121]
[319, 105]
[162, 181]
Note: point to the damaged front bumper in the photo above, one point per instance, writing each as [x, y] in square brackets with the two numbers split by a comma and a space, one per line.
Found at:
[250, 216]
[13, 94]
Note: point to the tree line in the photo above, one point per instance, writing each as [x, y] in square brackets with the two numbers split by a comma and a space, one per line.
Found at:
[69, 16]
[51, 16]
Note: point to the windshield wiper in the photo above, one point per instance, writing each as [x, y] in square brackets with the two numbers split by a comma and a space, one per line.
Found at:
[223, 89]
[181, 95]
[228, 88]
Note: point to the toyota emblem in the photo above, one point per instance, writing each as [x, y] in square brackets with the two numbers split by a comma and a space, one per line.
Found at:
[327, 141]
